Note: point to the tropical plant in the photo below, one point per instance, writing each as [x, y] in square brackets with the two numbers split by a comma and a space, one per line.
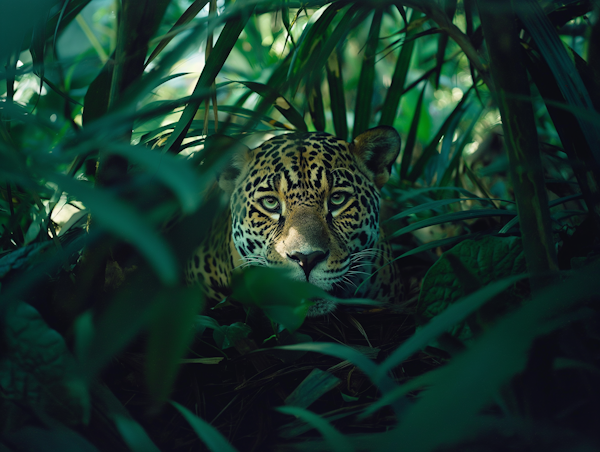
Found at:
[114, 119]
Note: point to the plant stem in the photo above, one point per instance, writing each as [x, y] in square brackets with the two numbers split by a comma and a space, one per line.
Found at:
[512, 95]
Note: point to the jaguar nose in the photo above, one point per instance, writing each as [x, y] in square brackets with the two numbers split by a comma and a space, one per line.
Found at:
[308, 261]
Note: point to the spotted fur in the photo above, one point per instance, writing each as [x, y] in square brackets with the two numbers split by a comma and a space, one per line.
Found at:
[309, 203]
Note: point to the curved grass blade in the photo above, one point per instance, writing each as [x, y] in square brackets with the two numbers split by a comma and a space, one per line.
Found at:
[118, 218]
[366, 81]
[396, 89]
[435, 205]
[213, 439]
[454, 216]
[337, 442]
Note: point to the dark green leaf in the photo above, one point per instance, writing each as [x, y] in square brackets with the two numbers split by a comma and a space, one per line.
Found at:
[336, 95]
[366, 82]
[396, 89]
[170, 334]
[119, 219]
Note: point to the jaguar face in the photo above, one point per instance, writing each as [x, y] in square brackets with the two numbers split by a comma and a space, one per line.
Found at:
[309, 203]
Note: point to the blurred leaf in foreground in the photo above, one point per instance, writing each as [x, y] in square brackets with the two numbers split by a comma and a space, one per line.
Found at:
[37, 368]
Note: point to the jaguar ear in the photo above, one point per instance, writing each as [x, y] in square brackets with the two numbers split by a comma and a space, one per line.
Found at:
[377, 149]
[239, 156]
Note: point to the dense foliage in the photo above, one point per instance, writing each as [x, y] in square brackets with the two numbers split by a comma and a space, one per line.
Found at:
[114, 118]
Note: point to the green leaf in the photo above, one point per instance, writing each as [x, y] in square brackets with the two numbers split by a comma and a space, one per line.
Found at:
[227, 336]
[134, 435]
[213, 439]
[366, 82]
[336, 441]
[396, 89]
[312, 387]
[283, 300]
[37, 369]
[170, 333]
[118, 218]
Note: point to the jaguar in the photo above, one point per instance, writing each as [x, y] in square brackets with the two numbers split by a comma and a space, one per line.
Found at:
[307, 202]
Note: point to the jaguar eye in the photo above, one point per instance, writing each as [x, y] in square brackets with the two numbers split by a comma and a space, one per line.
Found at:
[270, 203]
[338, 199]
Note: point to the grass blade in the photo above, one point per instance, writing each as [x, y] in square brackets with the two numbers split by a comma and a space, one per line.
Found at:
[337, 442]
[454, 216]
[213, 439]
[434, 205]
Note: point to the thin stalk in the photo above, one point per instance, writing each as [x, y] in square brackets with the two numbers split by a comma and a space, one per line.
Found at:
[511, 89]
